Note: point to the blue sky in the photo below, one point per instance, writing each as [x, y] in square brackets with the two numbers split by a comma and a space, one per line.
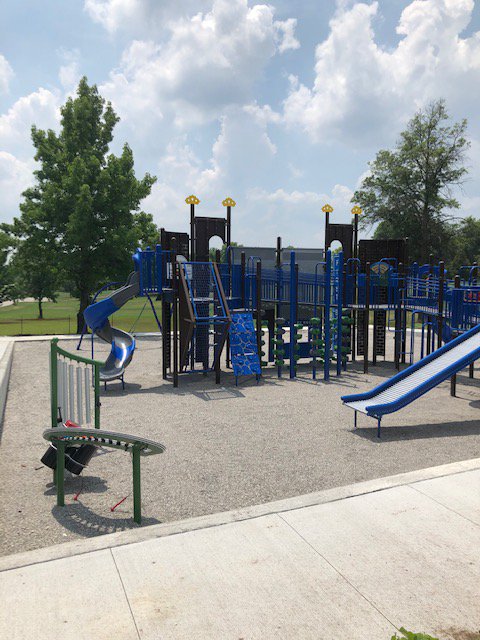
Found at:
[278, 105]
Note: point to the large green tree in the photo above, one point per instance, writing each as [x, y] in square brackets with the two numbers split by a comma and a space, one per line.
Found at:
[466, 244]
[9, 288]
[85, 200]
[33, 267]
[4, 249]
[146, 231]
[212, 253]
[409, 191]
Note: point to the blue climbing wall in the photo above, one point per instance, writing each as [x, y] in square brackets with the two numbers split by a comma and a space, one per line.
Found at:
[243, 345]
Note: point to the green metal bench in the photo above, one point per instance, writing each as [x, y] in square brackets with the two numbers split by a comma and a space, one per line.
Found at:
[61, 437]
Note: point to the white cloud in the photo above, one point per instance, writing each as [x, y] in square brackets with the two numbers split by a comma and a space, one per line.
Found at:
[469, 206]
[6, 74]
[242, 161]
[295, 171]
[241, 156]
[295, 215]
[286, 32]
[140, 16]
[243, 149]
[208, 61]
[339, 198]
[69, 72]
[362, 89]
[15, 176]
[111, 14]
[280, 196]
[16, 156]
[263, 114]
[40, 108]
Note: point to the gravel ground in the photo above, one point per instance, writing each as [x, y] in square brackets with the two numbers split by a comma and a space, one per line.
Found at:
[227, 447]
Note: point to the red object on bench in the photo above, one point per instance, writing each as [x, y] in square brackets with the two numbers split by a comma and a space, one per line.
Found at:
[69, 423]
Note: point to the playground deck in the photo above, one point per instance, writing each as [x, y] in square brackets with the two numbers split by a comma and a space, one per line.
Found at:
[227, 447]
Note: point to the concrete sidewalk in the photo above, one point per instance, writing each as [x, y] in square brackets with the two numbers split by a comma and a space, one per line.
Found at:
[6, 357]
[358, 563]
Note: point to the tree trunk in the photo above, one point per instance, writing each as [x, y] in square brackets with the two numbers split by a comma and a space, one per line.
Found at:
[40, 308]
[84, 302]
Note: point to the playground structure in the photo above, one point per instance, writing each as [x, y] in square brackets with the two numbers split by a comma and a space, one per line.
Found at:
[321, 318]
[339, 309]
[249, 317]
[200, 297]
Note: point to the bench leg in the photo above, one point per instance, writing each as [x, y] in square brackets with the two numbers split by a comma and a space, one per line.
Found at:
[60, 474]
[137, 491]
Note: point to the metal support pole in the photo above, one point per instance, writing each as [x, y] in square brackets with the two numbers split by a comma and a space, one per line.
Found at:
[429, 318]
[278, 252]
[355, 302]
[229, 292]
[216, 330]
[229, 225]
[366, 319]
[296, 291]
[258, 309]
[355, 236]
[278, 266]
[166, 338]
[453, 379]
[375, 332]
[53, 382]
[404, 333]
[398, 317]
[403, 313]
[441, 285]
[175, 313]
[327, 222]
[60, 474]
[137, 488]
[96, 386]
[293, 307]
[328, 300]
[242, 277]
[453, 385]
[192, 232]
[339, 312]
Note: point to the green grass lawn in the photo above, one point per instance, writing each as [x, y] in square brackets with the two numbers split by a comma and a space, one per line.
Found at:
[61, 317]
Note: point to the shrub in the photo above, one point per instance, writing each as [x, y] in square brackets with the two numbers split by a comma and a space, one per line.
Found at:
[408, 635]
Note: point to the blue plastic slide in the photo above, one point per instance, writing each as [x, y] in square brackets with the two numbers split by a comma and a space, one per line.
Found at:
[123, 344]
[413, 382]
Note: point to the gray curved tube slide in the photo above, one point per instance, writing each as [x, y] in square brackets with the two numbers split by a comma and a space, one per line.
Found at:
[123, 343]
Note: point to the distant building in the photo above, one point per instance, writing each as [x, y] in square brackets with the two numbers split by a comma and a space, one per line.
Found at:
[306, 259]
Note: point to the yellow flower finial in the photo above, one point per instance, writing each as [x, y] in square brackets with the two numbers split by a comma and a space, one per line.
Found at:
[228, 202]
[192, 200]
[327, 208]
[356, 211]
